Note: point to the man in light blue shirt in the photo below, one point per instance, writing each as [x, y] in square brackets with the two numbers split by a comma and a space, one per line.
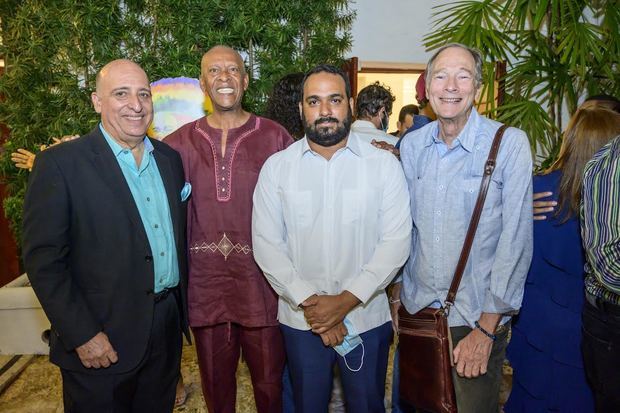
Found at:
[444, 164]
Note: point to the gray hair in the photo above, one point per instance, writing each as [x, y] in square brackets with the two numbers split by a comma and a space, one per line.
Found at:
[474, 53]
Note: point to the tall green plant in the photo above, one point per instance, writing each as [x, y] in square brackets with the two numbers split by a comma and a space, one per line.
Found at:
[557, 52]
[53, 49]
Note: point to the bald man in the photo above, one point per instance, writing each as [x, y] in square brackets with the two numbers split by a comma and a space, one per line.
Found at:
[232, 308]
[104, 247]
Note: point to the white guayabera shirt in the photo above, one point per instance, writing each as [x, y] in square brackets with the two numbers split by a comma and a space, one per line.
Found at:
[321, 227]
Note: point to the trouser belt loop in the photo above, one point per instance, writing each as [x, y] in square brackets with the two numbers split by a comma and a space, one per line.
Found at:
[603, 305]
[163, 294]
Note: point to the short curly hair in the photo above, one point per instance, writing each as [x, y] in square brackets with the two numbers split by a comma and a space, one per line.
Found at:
[283, 104]
[372, 98]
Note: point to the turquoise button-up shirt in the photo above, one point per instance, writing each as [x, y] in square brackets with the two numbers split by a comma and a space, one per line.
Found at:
[150, 197]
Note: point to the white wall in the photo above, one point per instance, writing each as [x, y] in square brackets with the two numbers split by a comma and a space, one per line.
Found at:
[391, 30]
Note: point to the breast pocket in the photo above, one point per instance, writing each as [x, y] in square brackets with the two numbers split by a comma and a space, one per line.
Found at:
[297, 207]
[493, 199]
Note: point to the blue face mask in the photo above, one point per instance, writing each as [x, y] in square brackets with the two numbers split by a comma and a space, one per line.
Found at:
[351, 340]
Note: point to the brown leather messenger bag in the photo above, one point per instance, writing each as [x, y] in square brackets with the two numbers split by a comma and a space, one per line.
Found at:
[424, 338]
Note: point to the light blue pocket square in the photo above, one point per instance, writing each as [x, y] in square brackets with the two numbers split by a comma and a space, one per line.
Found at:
[186, 191]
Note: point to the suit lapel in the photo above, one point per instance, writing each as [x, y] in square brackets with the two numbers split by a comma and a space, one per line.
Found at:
[108, 168]
[173, 194]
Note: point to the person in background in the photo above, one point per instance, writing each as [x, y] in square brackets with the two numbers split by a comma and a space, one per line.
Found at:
[283, 104]
[405, 119]
[105, 250]
[425, 115]
[232, 309]
[546, 334]
[373, 108]
[543, 205]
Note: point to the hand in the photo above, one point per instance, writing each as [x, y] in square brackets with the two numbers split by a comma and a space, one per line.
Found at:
[395, 304]
[97, 352]
[471, 354]
[334, 335]
[542, 207]
[323, 312]
[386, 146]
[23, 159]
[65, 138]
[56, 141]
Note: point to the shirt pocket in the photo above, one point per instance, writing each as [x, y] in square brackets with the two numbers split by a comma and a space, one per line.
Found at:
[298, 207]
[493, 199]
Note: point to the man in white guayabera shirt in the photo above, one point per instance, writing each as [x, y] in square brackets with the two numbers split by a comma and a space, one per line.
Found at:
[330, 228]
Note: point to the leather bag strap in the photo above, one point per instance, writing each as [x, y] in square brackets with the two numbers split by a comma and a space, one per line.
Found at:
[489, 167]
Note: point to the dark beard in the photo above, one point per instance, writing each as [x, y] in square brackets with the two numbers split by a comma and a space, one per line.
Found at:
[320, 134]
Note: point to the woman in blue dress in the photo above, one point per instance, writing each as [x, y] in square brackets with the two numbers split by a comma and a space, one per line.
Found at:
[544, 351]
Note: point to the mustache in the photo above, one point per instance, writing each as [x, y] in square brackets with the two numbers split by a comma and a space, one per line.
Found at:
[327, 119]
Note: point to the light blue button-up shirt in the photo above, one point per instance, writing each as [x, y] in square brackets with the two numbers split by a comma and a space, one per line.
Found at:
[443, 186]
[150, 197]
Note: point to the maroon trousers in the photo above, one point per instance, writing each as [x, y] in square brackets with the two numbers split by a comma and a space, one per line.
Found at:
[218, 348]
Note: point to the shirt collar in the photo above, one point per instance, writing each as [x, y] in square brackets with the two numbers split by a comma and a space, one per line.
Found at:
[467, 136]
[353, 144]
[118, 149]
[361, 123]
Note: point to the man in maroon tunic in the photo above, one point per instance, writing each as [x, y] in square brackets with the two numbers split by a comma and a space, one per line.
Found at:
[231, 305]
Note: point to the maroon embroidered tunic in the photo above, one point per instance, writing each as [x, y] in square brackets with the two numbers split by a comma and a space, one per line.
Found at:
[225, 283]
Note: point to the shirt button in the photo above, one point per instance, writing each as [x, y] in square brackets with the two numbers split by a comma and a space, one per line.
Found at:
[161, 280]
[438, 212]
[156, 226]
[437, 239]
[441, 187]
[223, 179]
[223, 189]
[148, 199]
[125, 151]
[162, 253]
[223, 167]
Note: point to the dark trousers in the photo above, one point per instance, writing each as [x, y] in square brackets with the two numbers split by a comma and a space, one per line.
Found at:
[601, 354]
[481, 394]
[150, 387]
[218, 349]
[311, 365]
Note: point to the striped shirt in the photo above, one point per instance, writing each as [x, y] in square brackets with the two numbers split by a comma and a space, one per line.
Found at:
[600, 228]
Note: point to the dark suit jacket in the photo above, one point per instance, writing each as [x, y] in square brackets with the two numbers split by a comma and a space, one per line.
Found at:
[87, 254]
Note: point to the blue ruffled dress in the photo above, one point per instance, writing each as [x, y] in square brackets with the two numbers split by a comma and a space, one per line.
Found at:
[544, 351]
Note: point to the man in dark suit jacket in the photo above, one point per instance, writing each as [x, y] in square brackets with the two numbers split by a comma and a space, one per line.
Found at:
[105, 249]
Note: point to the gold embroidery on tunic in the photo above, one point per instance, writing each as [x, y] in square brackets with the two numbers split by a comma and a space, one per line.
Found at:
[225, 246]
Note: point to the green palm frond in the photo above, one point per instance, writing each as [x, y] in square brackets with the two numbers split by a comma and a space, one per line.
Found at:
[558, 51]
[454, 22]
